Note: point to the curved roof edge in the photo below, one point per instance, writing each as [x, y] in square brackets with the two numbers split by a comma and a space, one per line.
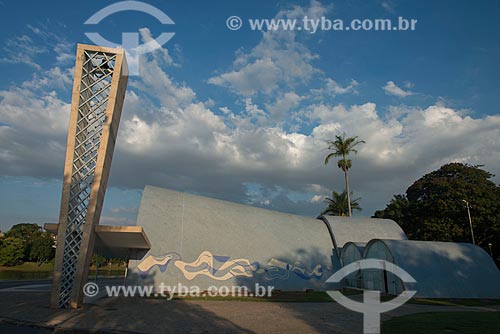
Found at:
[194, 227]
[361, 230]
[359, 246]
[445, 269]
[159, 191]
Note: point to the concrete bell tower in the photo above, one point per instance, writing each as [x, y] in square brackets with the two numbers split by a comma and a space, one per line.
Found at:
[100, 81]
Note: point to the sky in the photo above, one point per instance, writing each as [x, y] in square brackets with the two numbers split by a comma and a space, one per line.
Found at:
[244, 115]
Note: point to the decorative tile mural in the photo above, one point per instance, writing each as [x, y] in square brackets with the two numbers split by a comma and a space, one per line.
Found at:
[222, 268]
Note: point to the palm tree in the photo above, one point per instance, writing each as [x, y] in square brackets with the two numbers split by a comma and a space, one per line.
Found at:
[341, 147]
[337, 204]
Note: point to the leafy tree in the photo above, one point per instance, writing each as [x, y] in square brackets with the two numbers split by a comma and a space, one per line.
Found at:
[11, 251]
[337, 204]
[115, 260]
[434, 207]
[342, 147]
[98, 260]
[27, 233]
[397, 210]
[42, 248]
[24, 231]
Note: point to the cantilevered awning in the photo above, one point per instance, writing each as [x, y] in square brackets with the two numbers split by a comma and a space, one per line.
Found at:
[116, 241]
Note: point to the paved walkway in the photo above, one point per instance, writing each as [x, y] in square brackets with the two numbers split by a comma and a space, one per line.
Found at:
[140, 315]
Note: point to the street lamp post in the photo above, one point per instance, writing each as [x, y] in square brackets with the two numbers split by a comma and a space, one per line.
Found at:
[470, 222]
[491, 252]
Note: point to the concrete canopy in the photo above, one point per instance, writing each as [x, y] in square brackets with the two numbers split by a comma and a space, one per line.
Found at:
[126, 242]
[441, 269]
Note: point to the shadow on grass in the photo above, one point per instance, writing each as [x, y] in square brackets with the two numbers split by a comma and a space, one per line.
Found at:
[444, 322]
[455, 302]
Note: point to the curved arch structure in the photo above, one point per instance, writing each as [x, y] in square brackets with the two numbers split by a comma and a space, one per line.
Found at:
[360, 230]
[441, 269]
[352, 252]
[207, 242]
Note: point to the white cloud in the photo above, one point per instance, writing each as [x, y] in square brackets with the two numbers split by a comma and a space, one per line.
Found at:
[391, 88]
[163, 52]
[408, 84]
[317, 199]
[225, 110]
[262, 75]
[22, 50]
[23, 110]
[26, 48]
[121, 210]
[279, 60]
[281, 65]
[55, 78]
[283, 106]
[64, 52]
[33, 129]
[182, 143]
[155, 82]
[254, 112]
[333, 88]
[169, 138]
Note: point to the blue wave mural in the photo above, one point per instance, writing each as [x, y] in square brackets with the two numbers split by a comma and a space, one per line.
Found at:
[222, 267]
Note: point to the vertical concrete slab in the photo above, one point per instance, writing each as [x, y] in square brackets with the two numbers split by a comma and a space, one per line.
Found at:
[93, 94]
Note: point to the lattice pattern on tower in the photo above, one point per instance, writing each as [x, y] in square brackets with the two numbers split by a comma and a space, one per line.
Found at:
[98, 68]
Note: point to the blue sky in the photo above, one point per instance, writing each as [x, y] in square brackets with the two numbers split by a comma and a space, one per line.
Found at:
[243, 115]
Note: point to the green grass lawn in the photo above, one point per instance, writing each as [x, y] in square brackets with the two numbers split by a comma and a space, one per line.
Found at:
[31, 267]
[49, 267]
[33, 270]
[455, 302]
[444, 322]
